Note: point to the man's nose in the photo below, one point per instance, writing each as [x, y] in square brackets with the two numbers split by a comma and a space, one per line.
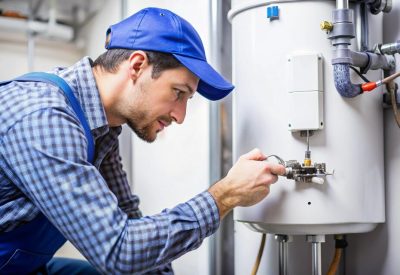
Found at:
[179, 112]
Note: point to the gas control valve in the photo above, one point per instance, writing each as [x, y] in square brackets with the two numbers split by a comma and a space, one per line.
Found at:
[304, 172]
[315, 173]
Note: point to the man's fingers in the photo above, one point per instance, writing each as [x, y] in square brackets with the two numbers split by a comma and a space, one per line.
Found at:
[277, 169]
[254, 154]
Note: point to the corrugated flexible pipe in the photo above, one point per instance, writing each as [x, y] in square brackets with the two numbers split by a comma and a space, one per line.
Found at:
[341, 75]
[341, 71]
[341, 37]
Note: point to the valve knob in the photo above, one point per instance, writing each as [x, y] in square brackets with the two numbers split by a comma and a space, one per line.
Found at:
[326, 26]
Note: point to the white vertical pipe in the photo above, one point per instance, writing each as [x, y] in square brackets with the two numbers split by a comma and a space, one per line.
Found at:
[31, 50]
[215, 129]
[124, 9]
[31, 40]
[283, 257]
[342, 4]
[52, 14]
[126, 137]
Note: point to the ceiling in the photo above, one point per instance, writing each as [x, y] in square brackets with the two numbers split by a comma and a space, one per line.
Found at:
[68, 12]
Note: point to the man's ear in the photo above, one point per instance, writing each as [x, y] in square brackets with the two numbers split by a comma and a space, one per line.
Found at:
[138, 61]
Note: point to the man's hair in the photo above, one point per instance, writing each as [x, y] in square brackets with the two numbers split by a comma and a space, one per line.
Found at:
[111, 59]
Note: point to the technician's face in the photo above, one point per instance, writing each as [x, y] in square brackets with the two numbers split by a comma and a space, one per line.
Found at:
[159, 102]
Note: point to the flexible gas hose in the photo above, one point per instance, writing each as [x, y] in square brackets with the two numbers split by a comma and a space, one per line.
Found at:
[335, 262]
[259, 255]
[340, 245]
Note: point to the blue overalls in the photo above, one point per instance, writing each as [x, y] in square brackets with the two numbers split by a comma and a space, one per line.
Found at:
[29, 247]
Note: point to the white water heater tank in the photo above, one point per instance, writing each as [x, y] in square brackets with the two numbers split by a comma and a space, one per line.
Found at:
[284, 85]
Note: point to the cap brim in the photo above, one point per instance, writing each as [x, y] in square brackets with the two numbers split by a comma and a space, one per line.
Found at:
[211, 85]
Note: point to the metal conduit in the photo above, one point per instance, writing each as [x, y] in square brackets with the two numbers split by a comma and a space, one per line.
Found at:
[342, 4]
[282, 240]
[316, 241]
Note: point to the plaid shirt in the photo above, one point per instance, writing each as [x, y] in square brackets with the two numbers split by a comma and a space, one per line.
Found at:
[44, 168]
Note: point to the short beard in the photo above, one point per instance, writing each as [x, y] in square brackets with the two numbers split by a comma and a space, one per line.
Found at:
[142, 133]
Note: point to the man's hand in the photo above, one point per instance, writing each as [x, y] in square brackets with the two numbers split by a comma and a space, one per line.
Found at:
[247, 183]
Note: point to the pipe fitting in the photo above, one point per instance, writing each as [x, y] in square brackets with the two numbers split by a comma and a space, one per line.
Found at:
[341, 56]
[378, 6]
[342, 16]
[372, 61]
[390, 48]
[341, 35]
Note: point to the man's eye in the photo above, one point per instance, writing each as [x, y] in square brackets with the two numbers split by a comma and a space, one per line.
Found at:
[179, 94]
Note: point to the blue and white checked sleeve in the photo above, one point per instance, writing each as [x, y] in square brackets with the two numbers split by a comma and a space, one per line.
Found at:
[113, 173]
[45, 157]
[115, 176]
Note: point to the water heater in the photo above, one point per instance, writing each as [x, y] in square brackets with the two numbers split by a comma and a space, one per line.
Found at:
[284, 88]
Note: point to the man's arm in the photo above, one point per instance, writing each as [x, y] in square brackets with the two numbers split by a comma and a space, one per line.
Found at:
[45, 157]
[113, 173]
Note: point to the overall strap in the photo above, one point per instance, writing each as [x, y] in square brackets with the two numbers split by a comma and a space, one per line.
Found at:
[73, 101]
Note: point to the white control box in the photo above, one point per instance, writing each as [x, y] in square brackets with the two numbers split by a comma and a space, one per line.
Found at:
[305, 87]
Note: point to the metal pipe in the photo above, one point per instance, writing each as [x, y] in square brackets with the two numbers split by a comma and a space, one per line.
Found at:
[371, 61]
[282, 258]
[215, 164]
[52, 14]
[316, 258]
[364, 27]
[343, 57]
[31, 40]
[341, 36]
[31, 51]
[342, 4]
[283, 245]
[316, 241]
[124, 9]
[390, 48]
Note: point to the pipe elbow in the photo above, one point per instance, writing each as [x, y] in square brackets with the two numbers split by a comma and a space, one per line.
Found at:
[343, 83]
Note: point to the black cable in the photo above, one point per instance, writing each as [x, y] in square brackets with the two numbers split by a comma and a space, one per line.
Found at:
[359, 74]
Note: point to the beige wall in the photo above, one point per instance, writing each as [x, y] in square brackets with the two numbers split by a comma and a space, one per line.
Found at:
[48, 54]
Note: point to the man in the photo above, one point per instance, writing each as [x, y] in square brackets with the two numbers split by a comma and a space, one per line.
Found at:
[51, 190]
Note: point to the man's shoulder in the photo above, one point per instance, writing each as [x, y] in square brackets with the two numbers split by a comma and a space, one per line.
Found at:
[20, 99]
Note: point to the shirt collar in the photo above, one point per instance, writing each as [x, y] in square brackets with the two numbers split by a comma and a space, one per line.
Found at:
[81, 79]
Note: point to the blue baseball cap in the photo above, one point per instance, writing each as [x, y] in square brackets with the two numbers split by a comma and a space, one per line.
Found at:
[161, 30]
